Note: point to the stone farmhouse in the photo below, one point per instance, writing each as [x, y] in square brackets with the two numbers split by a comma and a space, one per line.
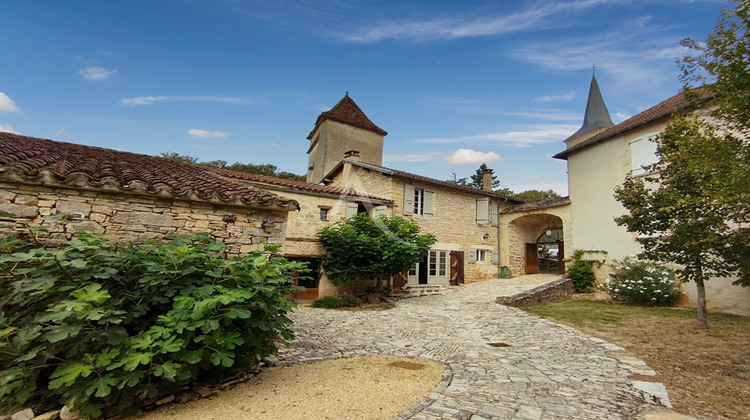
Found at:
[130, 196]
[600, 155]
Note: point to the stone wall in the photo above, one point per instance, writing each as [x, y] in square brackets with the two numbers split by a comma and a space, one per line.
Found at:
[558, 290]
[519, 228]
[332, 139]
[124, 217]
[453, 219]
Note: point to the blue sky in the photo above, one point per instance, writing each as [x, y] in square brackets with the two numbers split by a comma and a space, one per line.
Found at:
[454, 83]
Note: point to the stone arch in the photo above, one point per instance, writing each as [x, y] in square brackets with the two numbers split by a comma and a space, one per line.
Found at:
[524, 232]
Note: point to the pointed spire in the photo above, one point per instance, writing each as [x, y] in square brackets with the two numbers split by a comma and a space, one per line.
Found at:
[347, 112]
[596, 115]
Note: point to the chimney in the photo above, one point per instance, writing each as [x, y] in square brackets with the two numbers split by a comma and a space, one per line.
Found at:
[487, 180]
[352, 155]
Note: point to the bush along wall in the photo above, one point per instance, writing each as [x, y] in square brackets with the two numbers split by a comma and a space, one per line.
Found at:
[643, 282]
[103, 328]
[581, 270]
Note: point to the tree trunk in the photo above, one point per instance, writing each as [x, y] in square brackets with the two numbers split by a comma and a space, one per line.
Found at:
[379, 284]
[701, 295]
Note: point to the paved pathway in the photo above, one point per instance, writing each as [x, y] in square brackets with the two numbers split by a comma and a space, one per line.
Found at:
[537, 369]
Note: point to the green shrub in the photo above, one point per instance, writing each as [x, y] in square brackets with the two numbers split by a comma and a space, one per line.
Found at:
[581, 271]
[643, 282]
[103, 328]
[333, 302]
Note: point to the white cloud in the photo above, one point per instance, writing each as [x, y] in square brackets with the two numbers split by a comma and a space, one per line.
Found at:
[150, 100]
[8, 129]
[203, 134]
[621, 116]
[7, 104]
[544, 14]
[97, 73]
[543, 133]
[562, 98]
[469, 157]
[60, 132]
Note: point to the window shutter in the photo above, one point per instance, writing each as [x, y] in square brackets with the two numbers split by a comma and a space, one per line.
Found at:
[493, 213]
[351, 209]
[408, 199]
[482, 210]
[472, 255]
[381, 211]
[642, 152]
[428, 202]
[495, 257]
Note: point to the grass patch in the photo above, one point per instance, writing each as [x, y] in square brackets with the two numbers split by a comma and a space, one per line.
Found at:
[371, 307]
[707, 372]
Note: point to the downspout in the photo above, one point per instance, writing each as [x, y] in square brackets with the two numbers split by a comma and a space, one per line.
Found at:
[499, 265]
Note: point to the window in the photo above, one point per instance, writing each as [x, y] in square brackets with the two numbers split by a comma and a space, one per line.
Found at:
[324, 212]
[438, 263]
[418, 201]
[642, 153]
[483, 210]
[481, 255]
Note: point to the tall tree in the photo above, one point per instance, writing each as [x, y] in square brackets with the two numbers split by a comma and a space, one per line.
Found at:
[363, 247]
[692, 210]
[477, 179]
[723, 61]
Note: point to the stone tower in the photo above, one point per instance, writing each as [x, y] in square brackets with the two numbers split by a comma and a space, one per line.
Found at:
[341, 129]
[595, 120]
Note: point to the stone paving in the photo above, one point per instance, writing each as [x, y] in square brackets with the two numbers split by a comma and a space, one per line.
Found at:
[501, 363]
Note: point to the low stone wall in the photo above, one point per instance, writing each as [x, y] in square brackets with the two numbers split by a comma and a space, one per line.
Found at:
[557, 290]
[124, 217]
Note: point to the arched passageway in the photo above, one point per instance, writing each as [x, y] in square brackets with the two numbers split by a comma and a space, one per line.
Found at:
[537, 244]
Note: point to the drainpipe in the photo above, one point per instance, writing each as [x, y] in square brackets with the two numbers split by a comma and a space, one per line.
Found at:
[499, 265]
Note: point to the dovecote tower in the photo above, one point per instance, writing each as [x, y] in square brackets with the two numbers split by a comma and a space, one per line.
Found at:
[595, 120]
[341, 129]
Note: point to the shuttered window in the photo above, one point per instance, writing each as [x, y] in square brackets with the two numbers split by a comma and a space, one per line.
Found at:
[642, 153]
[483, 210]
[418, 201]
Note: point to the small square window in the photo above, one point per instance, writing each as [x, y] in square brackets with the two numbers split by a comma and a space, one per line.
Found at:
[481, 255]
[323, 214]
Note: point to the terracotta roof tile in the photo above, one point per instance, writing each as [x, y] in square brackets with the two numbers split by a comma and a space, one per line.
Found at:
[421, 178]
[347, 112]
[40, 161]
[296, 185]
[660, 110]
[537, 205]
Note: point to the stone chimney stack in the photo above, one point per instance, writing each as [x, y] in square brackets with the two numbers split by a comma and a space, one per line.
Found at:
[353, 155]
[487, 180]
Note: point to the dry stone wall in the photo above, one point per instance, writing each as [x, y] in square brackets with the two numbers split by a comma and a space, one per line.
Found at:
[125, 217]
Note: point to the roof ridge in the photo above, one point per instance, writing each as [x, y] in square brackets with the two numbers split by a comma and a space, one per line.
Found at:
[346, 111]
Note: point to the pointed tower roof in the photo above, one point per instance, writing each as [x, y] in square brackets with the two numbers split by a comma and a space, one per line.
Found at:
[347, 112]
[596, 115]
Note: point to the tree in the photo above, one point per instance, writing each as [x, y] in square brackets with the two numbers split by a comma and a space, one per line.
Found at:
[457, 180]
[262, 169]
[692, 209]
[723, 60]
[477, 179]
[537, 195]
[367, 248]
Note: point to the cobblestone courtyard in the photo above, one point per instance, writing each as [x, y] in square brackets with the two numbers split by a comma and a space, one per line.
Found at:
[501, 363]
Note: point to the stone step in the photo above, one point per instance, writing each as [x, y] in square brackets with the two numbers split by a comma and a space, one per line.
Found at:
[423, 290]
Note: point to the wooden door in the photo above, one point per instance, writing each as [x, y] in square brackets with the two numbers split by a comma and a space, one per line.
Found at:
[561, 256]
[457, 268]
[532, 259]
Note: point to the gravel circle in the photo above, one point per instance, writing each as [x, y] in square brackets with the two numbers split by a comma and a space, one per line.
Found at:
[361, 387]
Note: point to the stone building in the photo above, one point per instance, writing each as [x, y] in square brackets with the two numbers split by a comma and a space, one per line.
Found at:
[130, 196]
[344, 127]
[599, 158]
[319, 206]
